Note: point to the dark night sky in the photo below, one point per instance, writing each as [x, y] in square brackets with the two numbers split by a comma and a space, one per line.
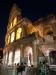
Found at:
[32, 9]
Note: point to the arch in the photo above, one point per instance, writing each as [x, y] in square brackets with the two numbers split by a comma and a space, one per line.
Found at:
[47, 27]
[14, 21]
[17, 56]
[48, 30]
[28, 53]
[52, 55]
[18, 33]
[48, 51]
[12, 36]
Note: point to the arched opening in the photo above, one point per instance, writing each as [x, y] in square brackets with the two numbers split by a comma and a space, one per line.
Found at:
[18, 33]
[15, 21]
[48, 30]
[17, 56]
[49, 33]
[52, 55]
[12, 36]
[28, 53]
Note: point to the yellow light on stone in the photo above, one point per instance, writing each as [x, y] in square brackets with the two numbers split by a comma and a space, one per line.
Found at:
[15, 21]
[19, 30]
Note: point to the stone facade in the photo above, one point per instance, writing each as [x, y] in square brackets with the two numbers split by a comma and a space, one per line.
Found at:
[34, 39]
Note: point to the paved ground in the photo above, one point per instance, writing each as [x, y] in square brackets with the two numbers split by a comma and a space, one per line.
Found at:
[52, 72]
[0, 70]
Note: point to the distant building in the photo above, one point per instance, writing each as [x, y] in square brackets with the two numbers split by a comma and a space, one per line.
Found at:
[29, 42]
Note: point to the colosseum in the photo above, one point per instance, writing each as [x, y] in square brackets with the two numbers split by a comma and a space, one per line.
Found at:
[29, 42]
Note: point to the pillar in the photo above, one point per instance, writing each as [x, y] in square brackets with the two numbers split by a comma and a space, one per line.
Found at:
[13, 55]
[49, 59]
[8, 57]
[22, 52]
[34, 53]
[38, 54]
[4, 56]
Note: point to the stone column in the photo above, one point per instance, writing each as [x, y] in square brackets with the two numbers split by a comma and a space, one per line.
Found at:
[13, 55]
[49, 59]
[22, 52]
[34, 53]
[8, 57]
[38, 54]
[25, 30]
[4, 56]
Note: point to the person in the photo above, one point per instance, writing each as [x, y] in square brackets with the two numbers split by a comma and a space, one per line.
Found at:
[21, 69]
[26, 69]
[44, 69]
[39, 66]
[17, 67]
[32, 70]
